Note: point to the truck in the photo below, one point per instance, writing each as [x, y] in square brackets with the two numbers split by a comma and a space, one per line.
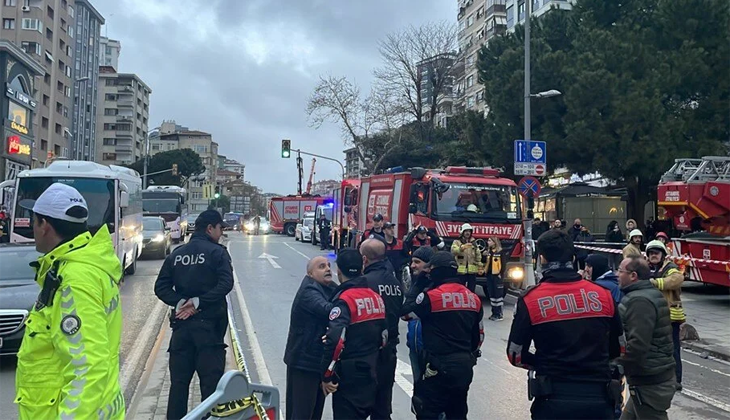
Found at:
[439, 198]
[286, 212]
[694, 195]
[344, 213]
[170, 203]
[113, 195]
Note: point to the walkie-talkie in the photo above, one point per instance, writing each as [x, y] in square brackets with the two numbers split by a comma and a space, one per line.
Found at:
[50, 286]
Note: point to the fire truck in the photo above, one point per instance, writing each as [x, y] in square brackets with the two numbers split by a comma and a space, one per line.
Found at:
[695, 195]
[285, 212]
[439, 200]
[344, 215]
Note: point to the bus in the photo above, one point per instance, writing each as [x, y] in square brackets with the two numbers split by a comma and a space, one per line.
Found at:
[168, 202]
[113, 195]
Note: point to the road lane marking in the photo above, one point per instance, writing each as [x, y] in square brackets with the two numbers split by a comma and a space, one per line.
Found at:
[146, 334]
[402, 369]
[293, 249]
[707, 400]
[706, 367]
[270, 259]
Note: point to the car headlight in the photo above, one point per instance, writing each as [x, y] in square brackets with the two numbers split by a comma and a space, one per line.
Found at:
[516, 273]
[249, 226]
[265, 226]
[158, 238]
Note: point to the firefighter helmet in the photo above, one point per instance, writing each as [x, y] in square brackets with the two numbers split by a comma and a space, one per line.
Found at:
[635, 232]
[465, 227]
[656, 245]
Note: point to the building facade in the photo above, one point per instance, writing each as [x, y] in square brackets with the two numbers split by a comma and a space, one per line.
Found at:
[19, 106]
[122, 117]
[354, 167]
[325, 187]
[109, 50]
[235, 166]
[438, 73]
[515, 10]
[86, 73]
[46, 30]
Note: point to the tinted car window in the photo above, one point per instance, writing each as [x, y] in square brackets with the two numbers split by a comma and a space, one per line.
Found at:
[14, 262]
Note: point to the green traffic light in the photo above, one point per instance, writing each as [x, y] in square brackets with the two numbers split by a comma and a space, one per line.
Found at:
[217, 195]
[285, 153]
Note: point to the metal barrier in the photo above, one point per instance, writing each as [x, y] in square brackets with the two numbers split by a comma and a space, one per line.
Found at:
[235, 397]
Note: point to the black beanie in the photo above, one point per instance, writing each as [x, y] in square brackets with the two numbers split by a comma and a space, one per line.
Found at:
[599, 264]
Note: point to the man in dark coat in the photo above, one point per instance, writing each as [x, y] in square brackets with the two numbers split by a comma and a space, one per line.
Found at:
[304, 348]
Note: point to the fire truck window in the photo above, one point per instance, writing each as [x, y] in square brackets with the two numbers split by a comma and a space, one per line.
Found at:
[422, 199]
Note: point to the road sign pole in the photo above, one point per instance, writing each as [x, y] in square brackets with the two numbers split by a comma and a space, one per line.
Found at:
[529, 266]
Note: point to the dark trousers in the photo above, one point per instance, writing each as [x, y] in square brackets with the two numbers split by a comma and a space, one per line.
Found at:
[356, 391]
[677, 350]
[304, 396]
[495, 291]
[196, 346]
[387, 361]
[324, 238]
[447, 391]
[470, 281]
[574, 401]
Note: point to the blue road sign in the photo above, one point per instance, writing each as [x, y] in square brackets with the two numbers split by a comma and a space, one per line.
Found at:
[530, 151]
[528, 184]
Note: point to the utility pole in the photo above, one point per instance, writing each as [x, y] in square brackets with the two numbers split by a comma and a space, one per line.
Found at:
[529, 266]
[300, 171]
[146, 158]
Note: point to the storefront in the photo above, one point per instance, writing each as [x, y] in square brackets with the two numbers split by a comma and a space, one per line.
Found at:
[18, 108]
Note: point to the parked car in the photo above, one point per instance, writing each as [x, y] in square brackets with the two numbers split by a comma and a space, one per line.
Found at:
[156, 237]
[304, 228]
[18, 293]
[191, 223]
[264, 227]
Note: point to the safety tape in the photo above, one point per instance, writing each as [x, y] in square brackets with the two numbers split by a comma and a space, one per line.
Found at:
[671, 257]
[233, 407]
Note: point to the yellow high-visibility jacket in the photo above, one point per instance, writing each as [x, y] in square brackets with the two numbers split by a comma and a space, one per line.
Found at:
[469, 259]
[68, 363]
[669, 280]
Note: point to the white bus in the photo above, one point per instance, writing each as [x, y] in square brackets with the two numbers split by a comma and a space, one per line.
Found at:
[113, 194]
[168, 202]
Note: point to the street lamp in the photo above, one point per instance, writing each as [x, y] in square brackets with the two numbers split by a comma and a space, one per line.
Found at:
[547, 94]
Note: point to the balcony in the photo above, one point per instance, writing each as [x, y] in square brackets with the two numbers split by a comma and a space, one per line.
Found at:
[125, 104]
[124, 118]
[125, 89]
[124, 133]
[124, 149]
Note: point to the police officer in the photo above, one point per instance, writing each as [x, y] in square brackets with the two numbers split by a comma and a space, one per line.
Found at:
[376, 230]
[575, 327]
[451, 317]
[358, 319]
[380, 277]
[395, 250]
[68, 362]
[421, 236]
[324, 232]
[195, 280]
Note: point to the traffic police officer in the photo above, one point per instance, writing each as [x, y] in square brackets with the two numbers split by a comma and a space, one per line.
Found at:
[576, 327]
[195, 280]
[68, 362]
[451, 317]
[357, 331]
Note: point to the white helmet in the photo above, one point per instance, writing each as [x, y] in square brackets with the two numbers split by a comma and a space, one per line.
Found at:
[635, 232]
[465, 227]
[472, 208]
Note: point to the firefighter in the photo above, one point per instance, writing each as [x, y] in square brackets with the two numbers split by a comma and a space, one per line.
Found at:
[421, 236]
[467, 256]
[633, 249]
[395, 250]
[358, 319]
[666, 277]
[575, 327]
[493, 272]
[451, 317]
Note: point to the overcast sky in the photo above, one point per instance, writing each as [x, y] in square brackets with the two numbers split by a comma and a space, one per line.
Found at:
[242, 70]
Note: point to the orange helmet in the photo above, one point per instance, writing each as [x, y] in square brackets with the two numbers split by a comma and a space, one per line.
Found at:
[662, 235]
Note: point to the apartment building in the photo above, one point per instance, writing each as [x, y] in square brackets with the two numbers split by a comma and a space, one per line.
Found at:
[234, 166]
[109, 50]
[479, 21]
[86, 74]
[439, 72]
[46, 30]
[122, 117]
[515, 10]
[354, 167]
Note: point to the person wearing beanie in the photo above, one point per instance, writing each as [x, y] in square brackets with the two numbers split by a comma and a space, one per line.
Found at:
[419, 282]
[451, 317]
[598, 271]
[358, 318]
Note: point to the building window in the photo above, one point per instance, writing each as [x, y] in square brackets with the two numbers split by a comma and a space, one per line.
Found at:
[44, 144]
[58, 128]
[32, 25]
[65, 111]
[44, 122]
[31, 47]
[520, 11]
[46, 99]
[8, 23]
[71, 31]
[470, 21]
[110, 142]
[110, 82]
[59, 86]
[71, 12]
[109, 156]
[470, 81]
[69, 51]
[68, 71]
[50, 12]
[47, 79]
[510, 16]
[110, 111]
[108, 126]
[470, 102]
[49, 34]
[64, 4]
[110, 97]
[10, 2]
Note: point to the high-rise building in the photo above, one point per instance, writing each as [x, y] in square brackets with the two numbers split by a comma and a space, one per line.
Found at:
[46, 30]
[235, 166]
[122, 117]
[440, 72]
[515, 10]
[479, 21]
[109, 52]
[86, 73]
[354, 166]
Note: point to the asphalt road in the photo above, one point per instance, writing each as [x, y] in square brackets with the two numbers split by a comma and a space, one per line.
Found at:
[268, 286]
[142, 318]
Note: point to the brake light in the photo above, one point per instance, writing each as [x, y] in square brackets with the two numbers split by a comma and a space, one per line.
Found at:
[475, 171]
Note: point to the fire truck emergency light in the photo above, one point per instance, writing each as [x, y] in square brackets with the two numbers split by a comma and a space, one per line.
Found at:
[476, 171]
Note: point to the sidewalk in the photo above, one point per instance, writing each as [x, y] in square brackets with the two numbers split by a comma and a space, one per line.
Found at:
[150, 399]
[708, 310]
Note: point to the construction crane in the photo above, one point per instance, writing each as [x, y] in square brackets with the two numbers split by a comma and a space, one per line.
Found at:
[311, 177]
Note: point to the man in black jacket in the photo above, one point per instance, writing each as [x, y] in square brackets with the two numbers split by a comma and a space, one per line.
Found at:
[576, 328]
[303, 354]
[380, 277]
[648, 361]
[420, 236]
[195, 280]
[451, 316]
[357, 331]
[395, 250]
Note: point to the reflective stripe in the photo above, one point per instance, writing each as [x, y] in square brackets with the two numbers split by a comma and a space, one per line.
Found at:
[660, 283]
[677, 314]
[76, 351]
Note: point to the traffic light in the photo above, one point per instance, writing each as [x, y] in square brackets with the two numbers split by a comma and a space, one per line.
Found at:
[286, 148]
[174, 169]
[217, 192]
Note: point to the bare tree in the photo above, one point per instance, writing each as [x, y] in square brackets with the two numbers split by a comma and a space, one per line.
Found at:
[415, 55]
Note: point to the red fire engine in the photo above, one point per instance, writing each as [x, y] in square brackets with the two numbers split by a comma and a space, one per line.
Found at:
[695, 195]
[441, 200]
[344, 215]
[286, 212]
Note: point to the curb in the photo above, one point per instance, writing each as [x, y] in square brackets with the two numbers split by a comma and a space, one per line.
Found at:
[711, 350]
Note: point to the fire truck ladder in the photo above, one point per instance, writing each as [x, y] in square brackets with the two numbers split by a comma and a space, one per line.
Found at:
[709, 168]
[311, 177]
